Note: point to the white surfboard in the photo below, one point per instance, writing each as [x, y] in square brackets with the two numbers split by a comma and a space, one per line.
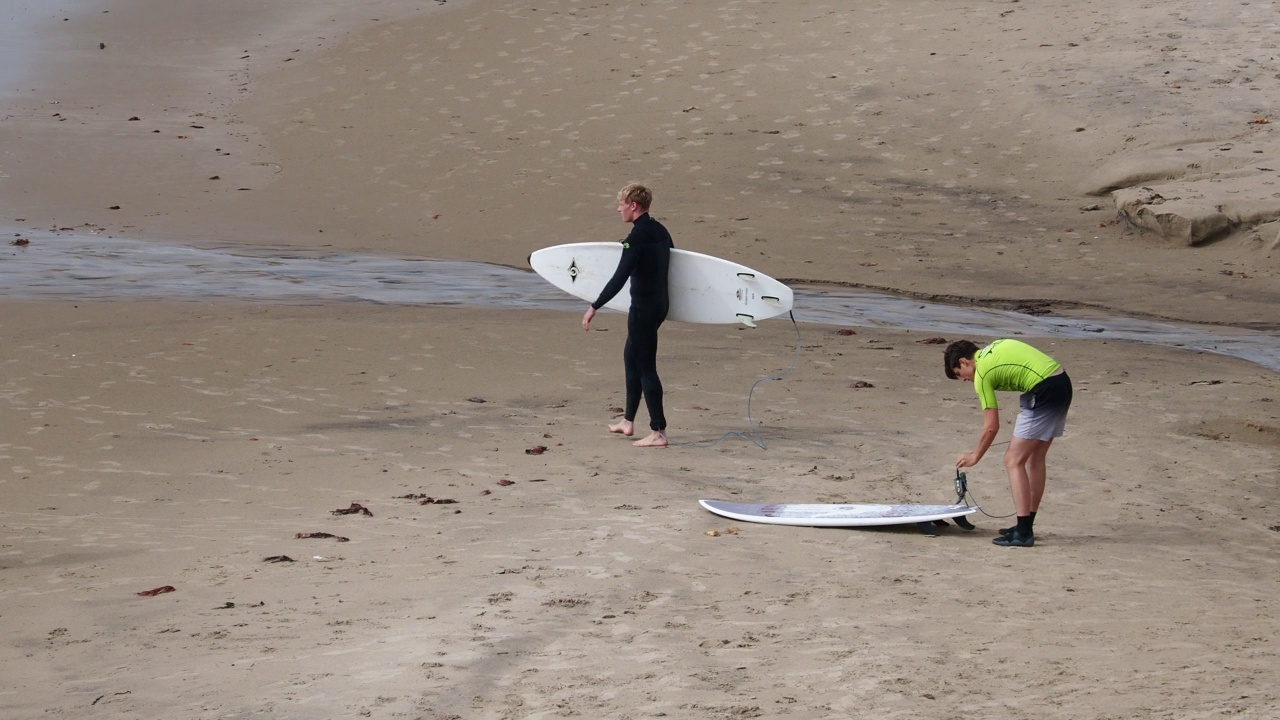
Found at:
[834, 515]
[703, 288]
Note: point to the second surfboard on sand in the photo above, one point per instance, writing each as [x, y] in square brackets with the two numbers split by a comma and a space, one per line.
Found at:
[843, 515]
[704, 289]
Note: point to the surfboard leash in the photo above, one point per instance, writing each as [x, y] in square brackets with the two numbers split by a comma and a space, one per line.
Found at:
[753, 435]
[964, 496]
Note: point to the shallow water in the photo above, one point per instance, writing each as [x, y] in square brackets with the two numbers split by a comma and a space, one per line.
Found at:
[89, 267]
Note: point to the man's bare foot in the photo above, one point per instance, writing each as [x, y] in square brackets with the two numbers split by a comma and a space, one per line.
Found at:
[626, 427]
[657, 438]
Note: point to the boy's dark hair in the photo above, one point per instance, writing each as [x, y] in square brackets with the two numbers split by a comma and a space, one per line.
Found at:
[956, 351]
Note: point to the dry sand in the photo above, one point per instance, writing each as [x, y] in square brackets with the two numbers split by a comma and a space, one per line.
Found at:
[926, 147]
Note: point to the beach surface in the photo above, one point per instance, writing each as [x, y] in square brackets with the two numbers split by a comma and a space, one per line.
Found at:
[341, 509]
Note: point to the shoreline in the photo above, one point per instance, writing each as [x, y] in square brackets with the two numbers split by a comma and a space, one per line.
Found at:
[147, 271]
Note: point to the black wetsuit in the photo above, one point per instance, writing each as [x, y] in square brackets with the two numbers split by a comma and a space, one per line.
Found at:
[646, 256]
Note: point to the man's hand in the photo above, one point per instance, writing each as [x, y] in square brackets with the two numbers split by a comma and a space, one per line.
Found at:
[586, 318]
[967, 460]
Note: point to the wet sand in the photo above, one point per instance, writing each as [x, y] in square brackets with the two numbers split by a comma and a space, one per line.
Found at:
[912, 146]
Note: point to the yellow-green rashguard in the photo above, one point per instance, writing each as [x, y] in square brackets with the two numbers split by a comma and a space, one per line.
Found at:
[1006, 365]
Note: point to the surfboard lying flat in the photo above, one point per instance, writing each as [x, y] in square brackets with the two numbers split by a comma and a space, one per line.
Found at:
[832, 515]
[704, 289]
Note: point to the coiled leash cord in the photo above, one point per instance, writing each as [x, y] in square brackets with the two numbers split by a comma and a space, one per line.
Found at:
[752, 435]
[963, 496]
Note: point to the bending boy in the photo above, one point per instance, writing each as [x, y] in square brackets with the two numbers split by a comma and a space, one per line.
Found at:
[1012, 365]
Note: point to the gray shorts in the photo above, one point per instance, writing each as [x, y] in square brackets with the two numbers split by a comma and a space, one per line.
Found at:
[1040, 423]
[1042, 413]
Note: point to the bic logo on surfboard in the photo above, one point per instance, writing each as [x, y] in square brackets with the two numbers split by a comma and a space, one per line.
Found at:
[573, 271]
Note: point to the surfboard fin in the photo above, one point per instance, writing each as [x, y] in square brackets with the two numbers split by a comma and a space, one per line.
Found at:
[747, 275]
[771, 299]
[748, 320]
